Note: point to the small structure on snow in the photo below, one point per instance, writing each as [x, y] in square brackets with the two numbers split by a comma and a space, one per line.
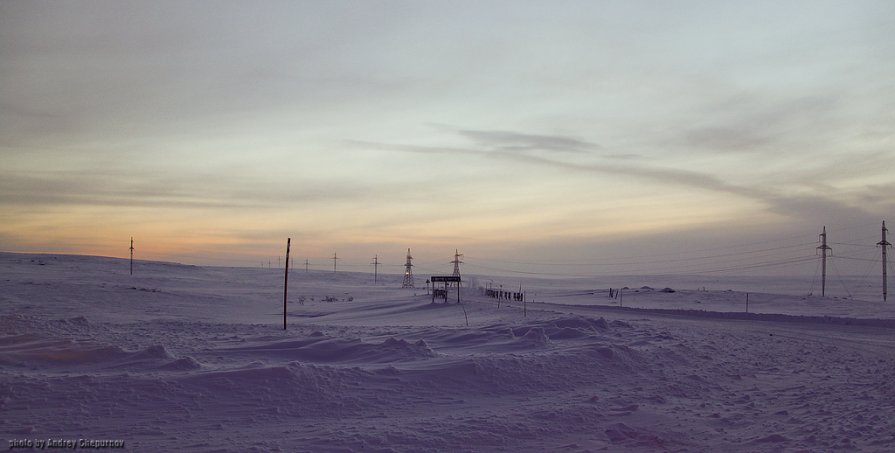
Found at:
[443, 291]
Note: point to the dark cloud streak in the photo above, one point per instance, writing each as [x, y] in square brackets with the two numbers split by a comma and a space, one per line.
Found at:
[814, 208]
[509, 140]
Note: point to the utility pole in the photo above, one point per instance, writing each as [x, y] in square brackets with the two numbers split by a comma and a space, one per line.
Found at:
[884, 244]
[823, 259]
[306, 265]
[375, 264]
[132, 252]
[408, 274]
[286, 281]
[334, 262]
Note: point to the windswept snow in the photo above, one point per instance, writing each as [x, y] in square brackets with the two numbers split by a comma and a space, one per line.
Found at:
[184, 357]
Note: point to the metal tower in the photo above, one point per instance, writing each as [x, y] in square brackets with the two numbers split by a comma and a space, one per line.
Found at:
[884, 244]
[823, 257]
[457, 262]
[375, 264]
[408, 272]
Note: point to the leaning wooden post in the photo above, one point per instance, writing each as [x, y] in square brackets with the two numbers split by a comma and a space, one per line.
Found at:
[286, 281]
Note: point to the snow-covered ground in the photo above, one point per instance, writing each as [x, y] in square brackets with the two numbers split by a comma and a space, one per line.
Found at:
[185, 357]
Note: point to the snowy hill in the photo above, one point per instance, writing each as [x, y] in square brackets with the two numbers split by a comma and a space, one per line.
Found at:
[185, 357]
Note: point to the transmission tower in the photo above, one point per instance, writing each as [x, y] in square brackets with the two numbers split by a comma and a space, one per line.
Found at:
[334, 261]
[823, 259]
[884, 244]
[408, 272]
[457, 262]
[132, 252]
[375, 264]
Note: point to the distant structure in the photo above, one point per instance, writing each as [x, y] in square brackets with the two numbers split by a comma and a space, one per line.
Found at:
[132, 251]
[408, 272]
[306, 265]
[823, 259]
[446, 281]
[457, 263]
[375, 264]
[884, 244]
[334, 261]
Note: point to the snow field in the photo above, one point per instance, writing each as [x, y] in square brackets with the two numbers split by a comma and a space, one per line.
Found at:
[199, 360]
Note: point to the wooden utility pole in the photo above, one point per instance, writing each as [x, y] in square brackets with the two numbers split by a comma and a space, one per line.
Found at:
[884, 244]
[375, 264]
[334, 261]
[286, 281]
[823, 252]
[306, 265]
[132, 255]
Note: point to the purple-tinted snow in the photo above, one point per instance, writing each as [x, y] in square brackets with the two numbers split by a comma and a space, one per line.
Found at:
[183, 357]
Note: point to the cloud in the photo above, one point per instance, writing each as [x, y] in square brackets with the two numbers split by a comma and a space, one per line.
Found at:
[752, 123]
[509, 141]
[813, 207]
[212, 191]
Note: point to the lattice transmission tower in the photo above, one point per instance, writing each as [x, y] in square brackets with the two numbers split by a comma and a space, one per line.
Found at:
[457, 263]
[408, 272]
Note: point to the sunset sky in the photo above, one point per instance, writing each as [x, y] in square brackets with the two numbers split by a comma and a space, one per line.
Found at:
[527, 134]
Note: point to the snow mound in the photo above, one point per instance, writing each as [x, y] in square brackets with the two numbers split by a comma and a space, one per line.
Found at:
[293, 389]
[321, 349]
[622, 434]
[31, 350]
[182, 364]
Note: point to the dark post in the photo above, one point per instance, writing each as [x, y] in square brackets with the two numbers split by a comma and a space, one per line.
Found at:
[132, 255]
[823, 257]
[884, 244]
[286, 281]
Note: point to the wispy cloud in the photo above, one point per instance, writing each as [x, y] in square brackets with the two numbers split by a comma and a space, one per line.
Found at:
[754, 123]
[206, 191]
[510, 141]
[810, 207]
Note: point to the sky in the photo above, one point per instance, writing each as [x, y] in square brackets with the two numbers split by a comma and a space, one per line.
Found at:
[534, 136]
